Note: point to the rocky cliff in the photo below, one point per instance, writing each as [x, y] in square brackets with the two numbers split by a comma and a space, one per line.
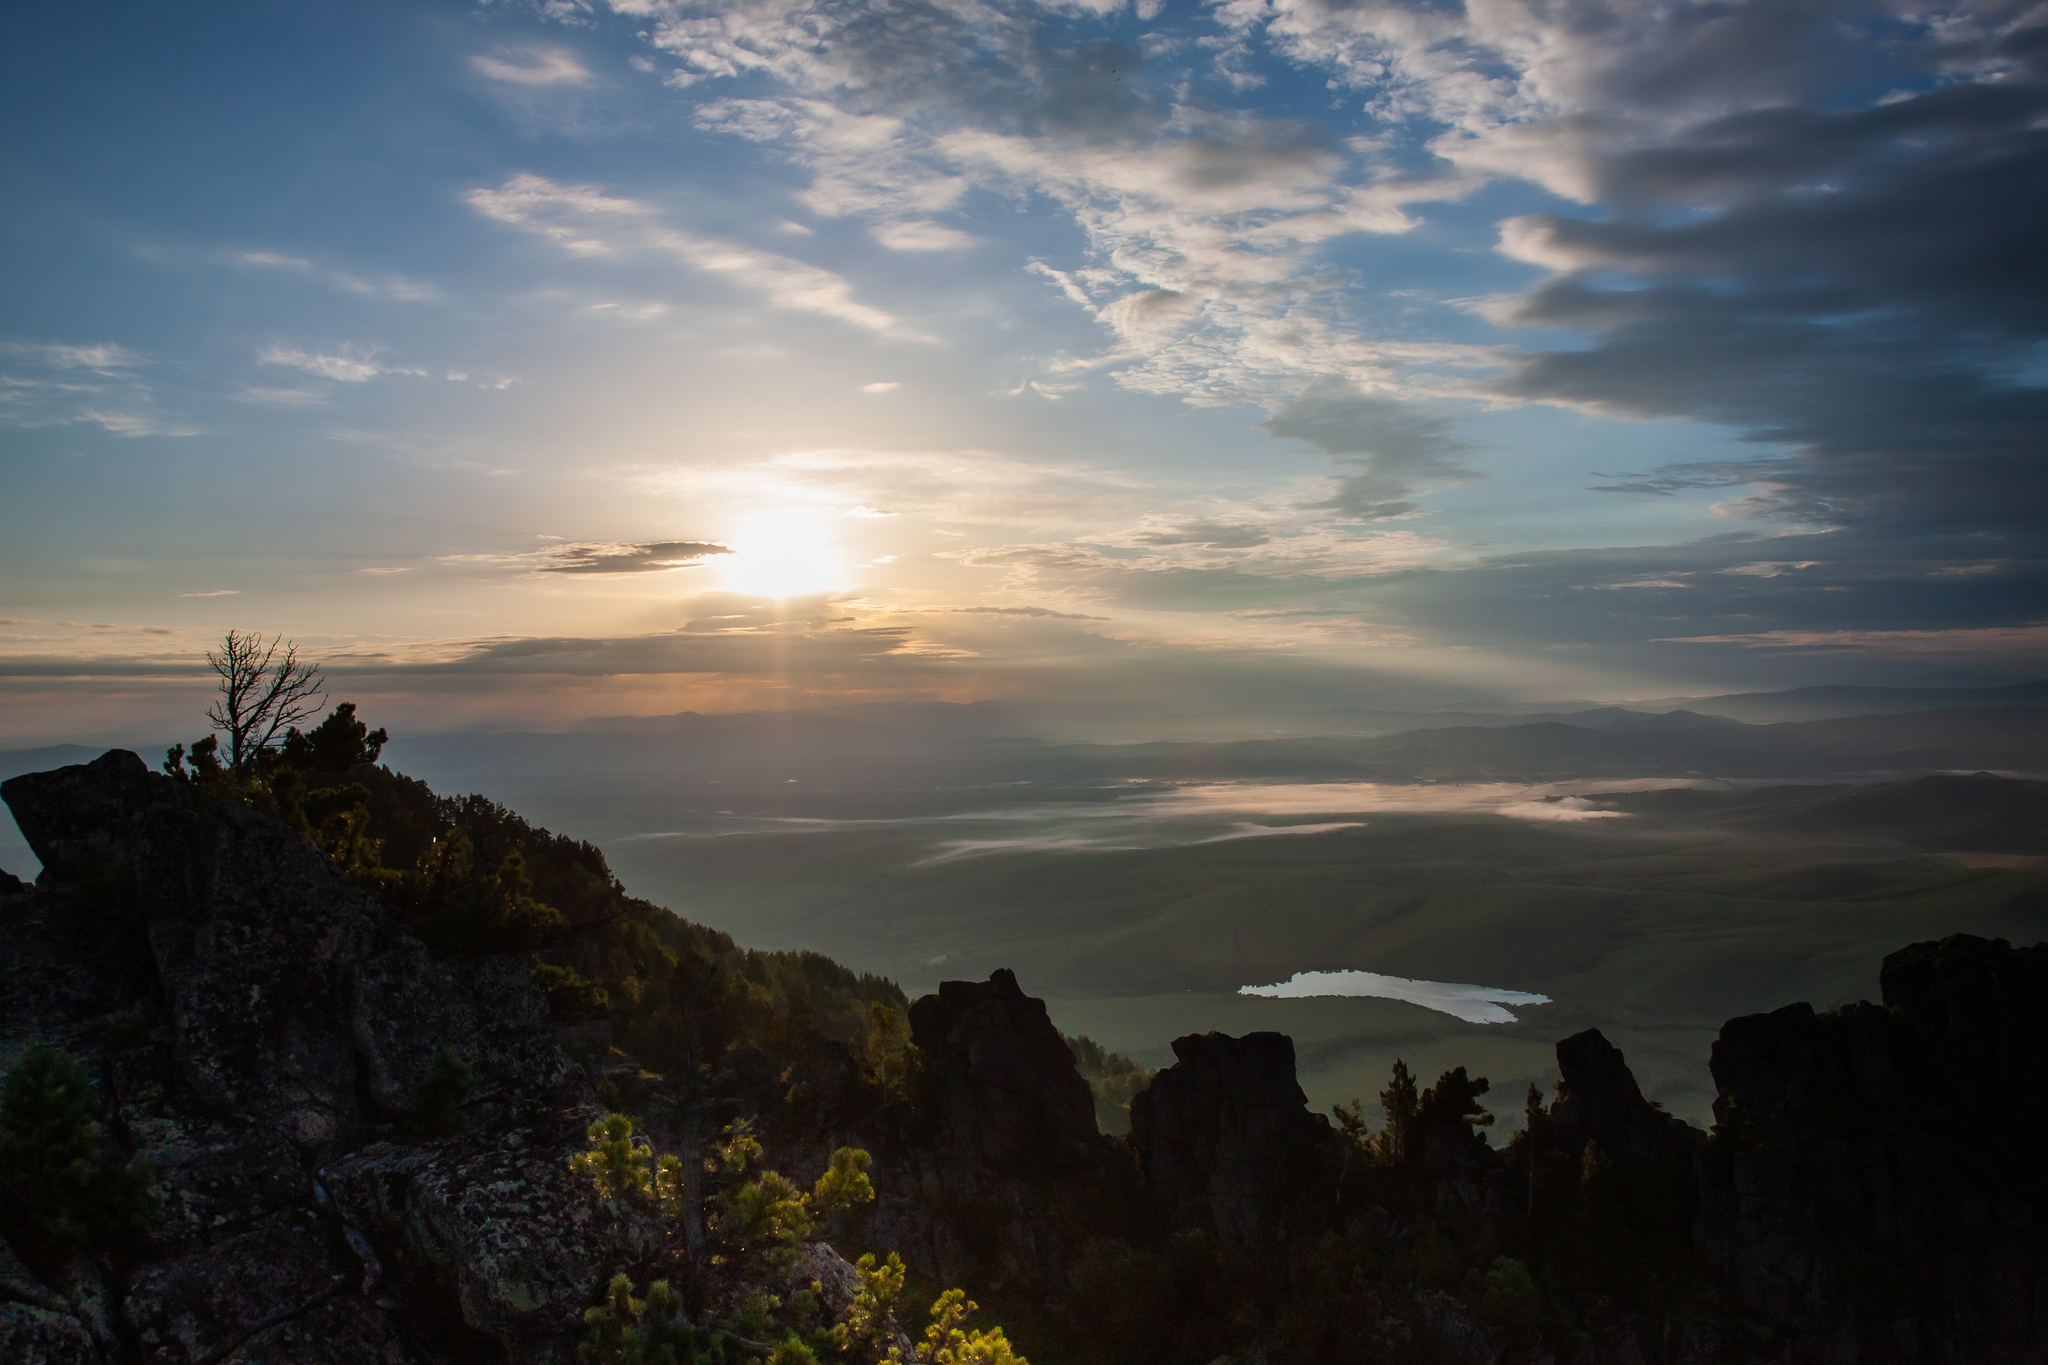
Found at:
[1227, 1144]
[1878, 1179]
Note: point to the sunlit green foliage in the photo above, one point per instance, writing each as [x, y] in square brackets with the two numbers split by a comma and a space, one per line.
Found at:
[845, 1184]
[764, 1221]
[624, 1330]
[761, 1225]
[617, 1165]
[884, 1049]
[569, 995]
[949, 1341]
[1510, 1296]
[869, 1324]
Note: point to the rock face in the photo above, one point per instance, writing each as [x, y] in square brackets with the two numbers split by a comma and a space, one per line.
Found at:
[1599, 1101]
[996, 1164]
[262, 1027]
[1877, 1184]
[1001, 1085]
[1226, 1142]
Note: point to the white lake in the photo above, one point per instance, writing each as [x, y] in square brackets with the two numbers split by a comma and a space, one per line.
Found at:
[1473, 1004]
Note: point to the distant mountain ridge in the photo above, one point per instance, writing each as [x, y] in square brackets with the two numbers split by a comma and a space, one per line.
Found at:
[1828, 703]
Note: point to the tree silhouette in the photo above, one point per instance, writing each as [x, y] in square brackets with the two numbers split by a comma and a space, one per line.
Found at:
[264, 692]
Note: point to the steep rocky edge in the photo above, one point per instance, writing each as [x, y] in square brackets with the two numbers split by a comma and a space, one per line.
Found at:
[261, 1029]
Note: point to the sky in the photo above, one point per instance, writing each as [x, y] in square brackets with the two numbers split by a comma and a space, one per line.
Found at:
[532, 361]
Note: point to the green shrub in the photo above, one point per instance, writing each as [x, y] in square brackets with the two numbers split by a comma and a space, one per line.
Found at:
[1509, 1297]
[64, 1193]
[570, 997]
[624, 1330]
[449, 1081]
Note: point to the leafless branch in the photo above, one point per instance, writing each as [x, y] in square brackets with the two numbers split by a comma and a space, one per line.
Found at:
[264, 691]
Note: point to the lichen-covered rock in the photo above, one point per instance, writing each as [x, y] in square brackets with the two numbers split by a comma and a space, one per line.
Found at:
[214, 1181]
[199, 1306]
[523, 1243]
[30, 1335]
[258, 979]
[1226, 1142]
[343, 1330]
[407, 1005]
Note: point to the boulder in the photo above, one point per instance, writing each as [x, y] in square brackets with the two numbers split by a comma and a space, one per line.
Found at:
[498, 1224]
[199, 1306]
[77, 817]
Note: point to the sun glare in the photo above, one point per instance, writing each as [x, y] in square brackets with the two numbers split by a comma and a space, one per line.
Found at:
[783, 554]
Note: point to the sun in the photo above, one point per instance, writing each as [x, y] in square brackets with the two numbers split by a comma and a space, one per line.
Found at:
[785, 553]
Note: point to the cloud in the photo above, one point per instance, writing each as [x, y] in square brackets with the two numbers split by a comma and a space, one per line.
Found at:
[1045, 613]
[1309, 565]
[1401, 446]
[1208, 534]
[1851, 282]
[881, 386]
[1848, 281]
[1203, 225]
[945, 486]
[214, 592]
[923, 236]
[389, 286]
[103, 358]
[2003, 640]
[59, 383]
[281, 398]
[609, 558]
[584, 221]
[349, 364]
[134, 423]
[531, 66]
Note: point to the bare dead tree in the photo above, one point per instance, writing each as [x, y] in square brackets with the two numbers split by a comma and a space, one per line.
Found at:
[264, 692]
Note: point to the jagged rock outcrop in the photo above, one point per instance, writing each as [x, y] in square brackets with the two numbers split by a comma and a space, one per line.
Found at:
[1226, 1142]
[996, 1163]
[1000, 1085]
[1876, 1185]
[1599, 1101]
[262, 1027]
